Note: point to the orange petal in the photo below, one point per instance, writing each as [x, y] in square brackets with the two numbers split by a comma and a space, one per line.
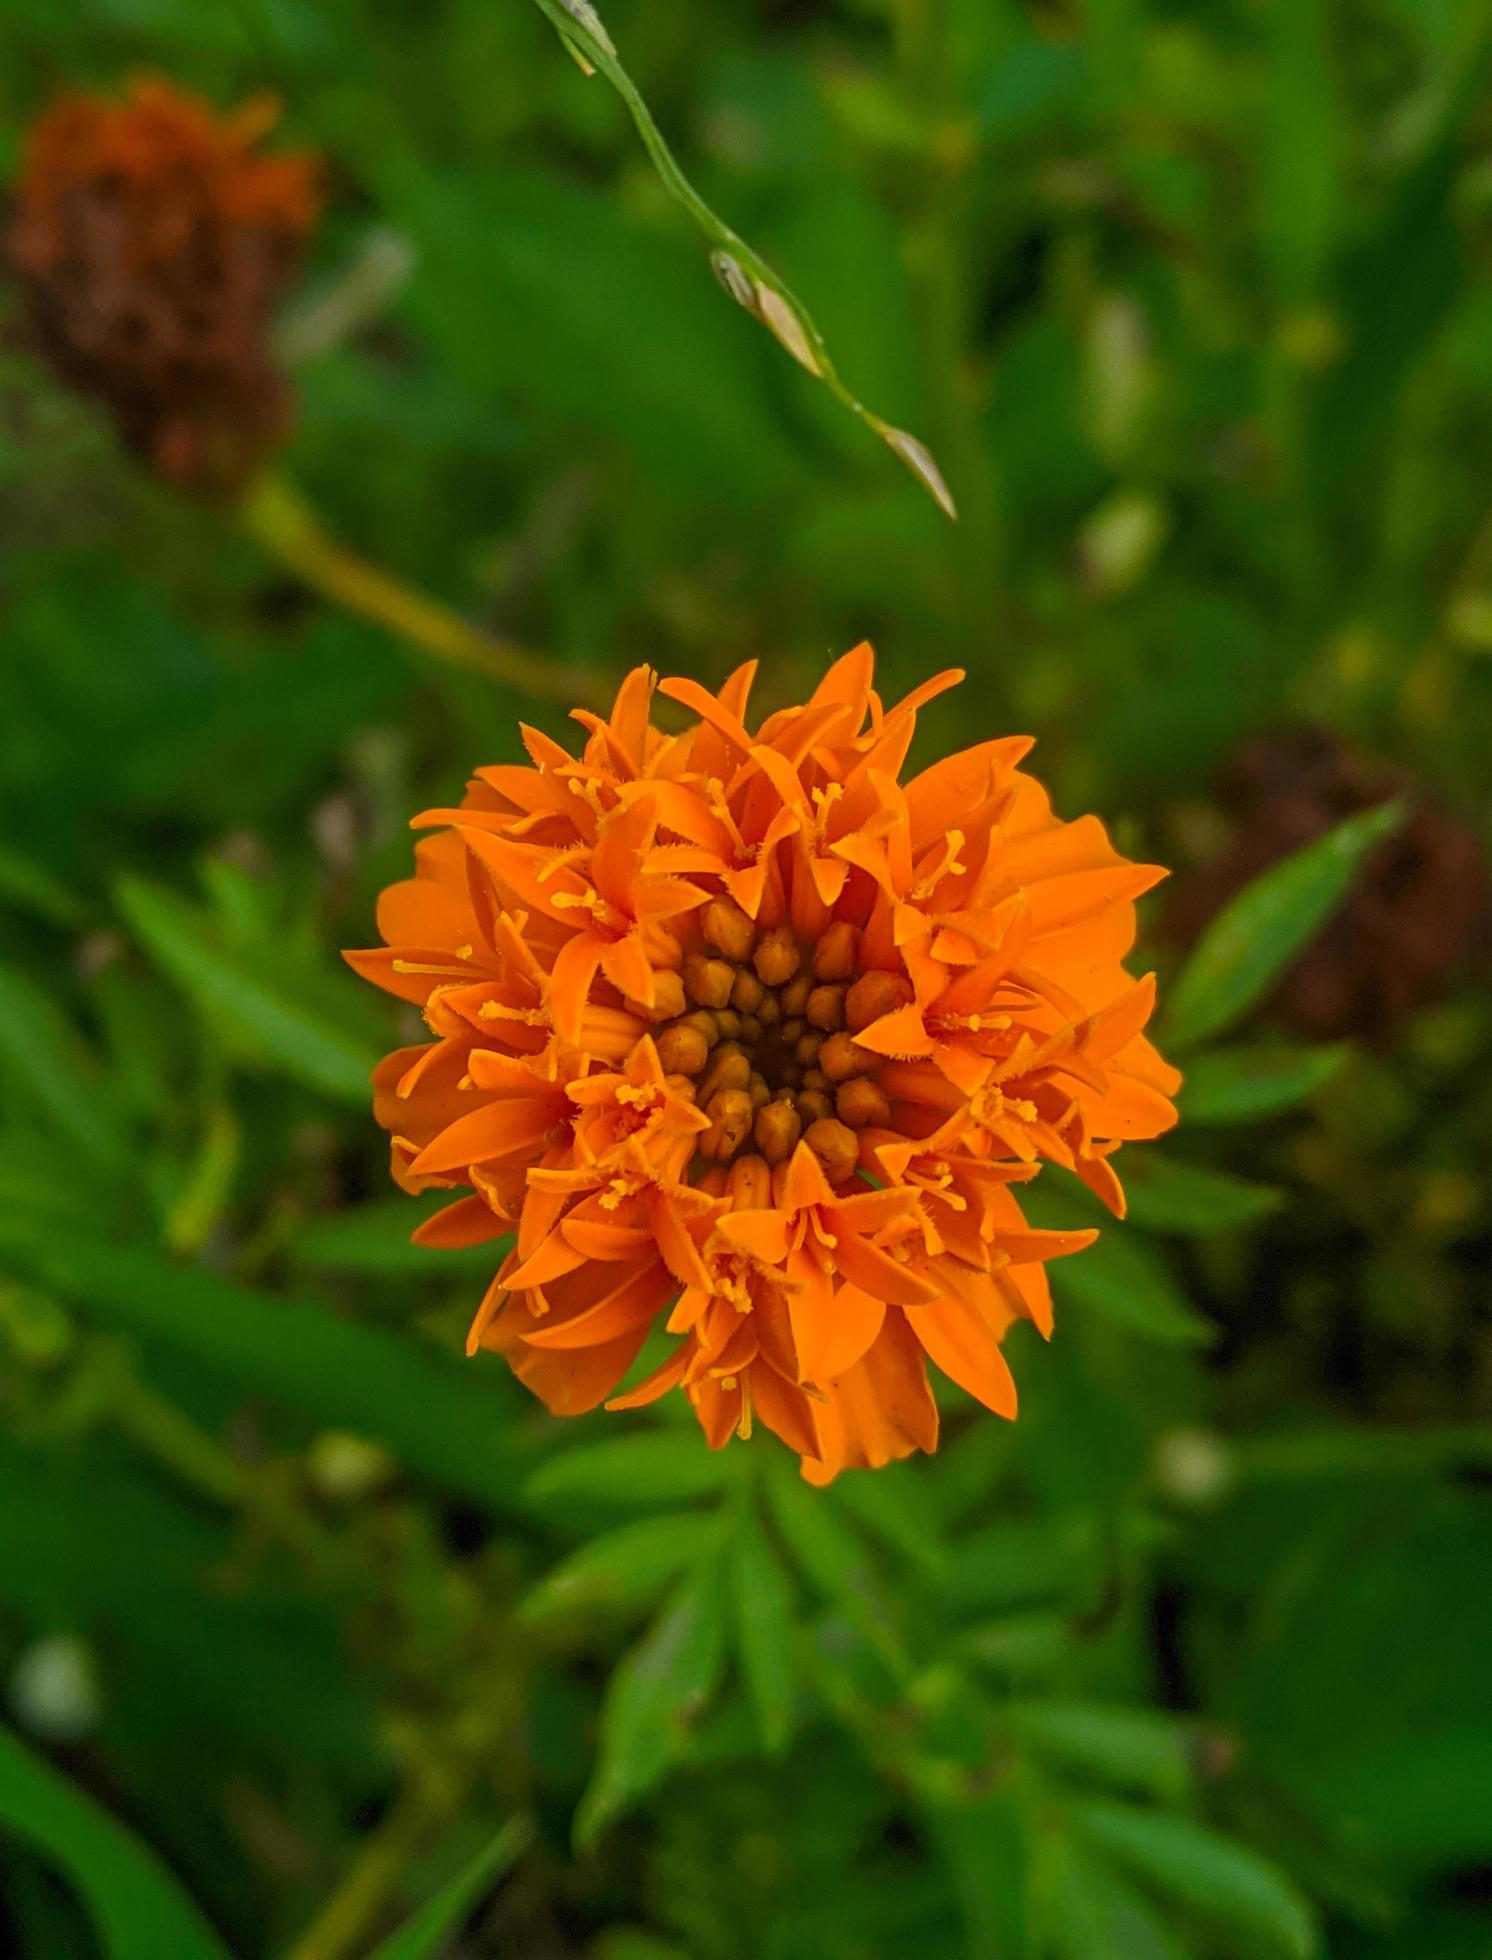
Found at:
[959, 1341]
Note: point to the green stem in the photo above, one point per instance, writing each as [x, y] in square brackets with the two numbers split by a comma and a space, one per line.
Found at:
[342, 1927]
[275, 513]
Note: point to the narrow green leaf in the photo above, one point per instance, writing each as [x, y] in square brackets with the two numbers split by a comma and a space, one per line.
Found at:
[836, 1560]
[761, 1609]
[139, 1909]
[268, 1024]
[445, 1419]
[1166, 1195]
[1242, 1085]
[901, 1509]
[420, 1936]
[1208, 1874]
[377, 1238]
[26, 883]
[1303, 1455]
[1133, 1748]
[630, 1473]
[1125, 1282]
[43, 1053]
[742, 272]
[1095, 1914]
[655, 1696]
[1260, 931]
[625, 1567]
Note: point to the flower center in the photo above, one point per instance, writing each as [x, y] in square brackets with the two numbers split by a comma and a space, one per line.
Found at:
[760, 1030]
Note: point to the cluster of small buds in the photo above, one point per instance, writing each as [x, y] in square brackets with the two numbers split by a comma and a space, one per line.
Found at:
[759, 1031]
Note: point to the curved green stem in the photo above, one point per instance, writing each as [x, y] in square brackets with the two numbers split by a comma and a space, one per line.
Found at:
[276, 514]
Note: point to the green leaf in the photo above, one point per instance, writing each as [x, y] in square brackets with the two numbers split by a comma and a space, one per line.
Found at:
[1166, 1195]
[1259, 932]
[139, 1909]
[1134, 1748]
[836, 1560]
[377, 1238]
[761, 1609]
[1304, 1455]
[625, 1567]
[440, 1418]
[654, 1698]
[742, 272]
[629, 1473]
[249, 1007]
[43, 1054]
[420, 1936]
[900, 1509]
[1125, 1282]
[1096, 1915]
[29, 885]
[1242, 1085]
[1207, 1874]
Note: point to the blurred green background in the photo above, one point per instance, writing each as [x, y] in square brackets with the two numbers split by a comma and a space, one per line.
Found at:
[305, 1621]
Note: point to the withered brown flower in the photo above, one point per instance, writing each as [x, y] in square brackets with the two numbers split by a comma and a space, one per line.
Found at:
[152, 242]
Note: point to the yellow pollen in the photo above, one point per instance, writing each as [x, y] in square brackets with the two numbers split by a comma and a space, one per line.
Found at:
[591, 902]
[444, 972]
[496, 1010]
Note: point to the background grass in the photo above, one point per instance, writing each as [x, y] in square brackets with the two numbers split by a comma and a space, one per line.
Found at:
[296, 1611]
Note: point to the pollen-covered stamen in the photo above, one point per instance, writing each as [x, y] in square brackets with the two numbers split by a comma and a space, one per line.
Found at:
[941, 863]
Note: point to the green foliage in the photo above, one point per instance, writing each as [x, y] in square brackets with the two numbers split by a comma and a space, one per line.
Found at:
[139, 1908]
[1255, 937]
[423, 1935]
[297, 1605]
[249, 1008]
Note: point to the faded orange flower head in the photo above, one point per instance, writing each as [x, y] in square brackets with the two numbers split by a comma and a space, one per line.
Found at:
[152, 241]
[748, 1040]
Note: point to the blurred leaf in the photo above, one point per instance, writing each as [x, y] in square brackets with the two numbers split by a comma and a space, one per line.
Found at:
[27, 883]
[376, 1238]
[1419, 1799]
[901, 1509]
[1304, 1454]
[625, 1567]
[1134, 1748]
[1205, 1873]
[1242, 1085]
[437, 1418]
[761, 1609]
[1167, 1195]
[745, 276]
[248, 1005]
[655, 1695]
[74, 1533]
[420, 1936]
[1124, 1281]
[1259, 932]
[631, 1473]
[140, 1911]
[837, 1561]
[44, 1054]
[1096, 1915]
[1301, 160]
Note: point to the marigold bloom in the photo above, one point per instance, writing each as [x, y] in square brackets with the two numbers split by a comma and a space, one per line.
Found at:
[740, 1034]
[152, 243]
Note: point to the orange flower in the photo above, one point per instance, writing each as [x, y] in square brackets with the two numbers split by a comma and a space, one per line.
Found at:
[152, 243]
[748, 1043]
